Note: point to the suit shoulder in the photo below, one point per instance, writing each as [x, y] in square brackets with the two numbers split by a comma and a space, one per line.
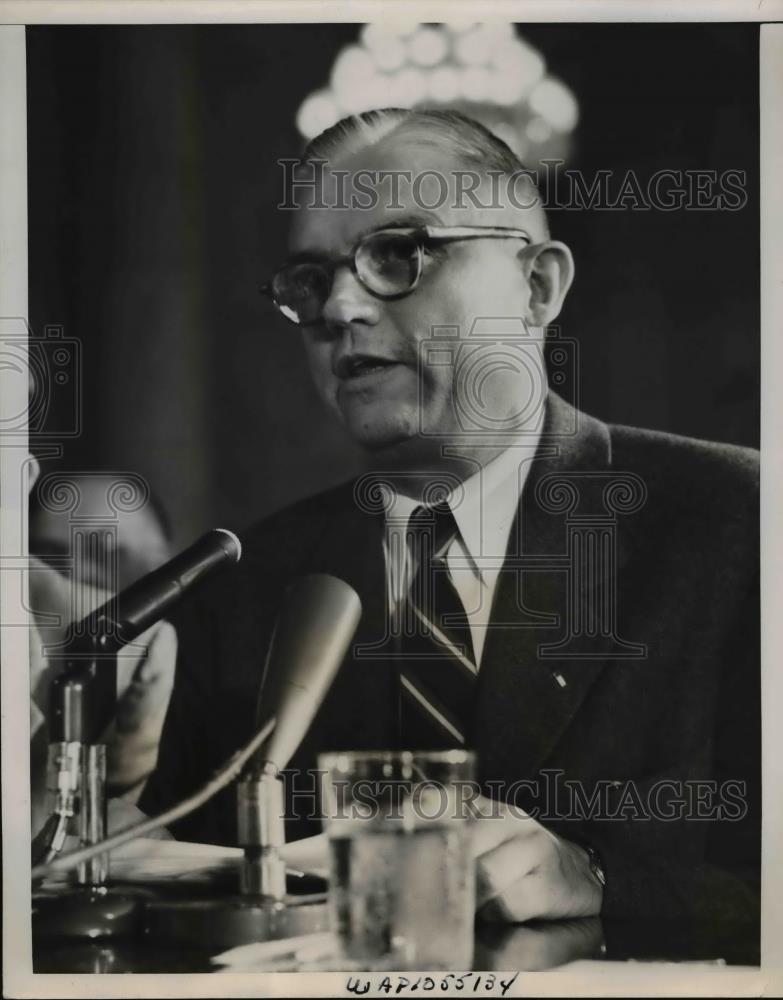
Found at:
[274, 549]
[301, 522]
[692, 462]
[703, 493]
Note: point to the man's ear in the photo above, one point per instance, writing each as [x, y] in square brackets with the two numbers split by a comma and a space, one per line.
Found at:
[549, 269]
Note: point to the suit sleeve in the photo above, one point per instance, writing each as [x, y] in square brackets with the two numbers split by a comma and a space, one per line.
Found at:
[183, 763]
[721, 887]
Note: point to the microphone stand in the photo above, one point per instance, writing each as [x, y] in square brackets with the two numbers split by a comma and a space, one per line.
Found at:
[82, 703]
[262, 909]
[261, 832]
[258, 913]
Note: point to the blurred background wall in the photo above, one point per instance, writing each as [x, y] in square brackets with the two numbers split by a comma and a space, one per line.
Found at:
[152, 219]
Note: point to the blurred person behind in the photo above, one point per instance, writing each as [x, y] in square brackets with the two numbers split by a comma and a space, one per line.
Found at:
[63, 588]
[143, 536]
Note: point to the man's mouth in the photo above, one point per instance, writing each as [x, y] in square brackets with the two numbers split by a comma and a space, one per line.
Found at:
[360, 366]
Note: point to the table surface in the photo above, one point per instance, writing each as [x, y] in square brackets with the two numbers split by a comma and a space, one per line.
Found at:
[534, 946]
[529, 948]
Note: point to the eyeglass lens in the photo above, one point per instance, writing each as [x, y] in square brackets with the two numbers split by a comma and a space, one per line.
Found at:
[386, 263]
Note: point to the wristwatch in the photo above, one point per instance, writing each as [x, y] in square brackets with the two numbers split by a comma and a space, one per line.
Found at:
[596, 867]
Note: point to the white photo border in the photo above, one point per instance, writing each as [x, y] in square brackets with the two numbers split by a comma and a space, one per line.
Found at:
[578, 979]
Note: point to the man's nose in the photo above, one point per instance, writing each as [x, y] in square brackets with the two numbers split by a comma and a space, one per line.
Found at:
[349, 302]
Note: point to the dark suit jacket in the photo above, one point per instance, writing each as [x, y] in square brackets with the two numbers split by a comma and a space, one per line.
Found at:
[623, 653]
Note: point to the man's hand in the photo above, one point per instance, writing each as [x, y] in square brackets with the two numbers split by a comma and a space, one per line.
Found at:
[524, 872]
[538, 944]
[145, 678]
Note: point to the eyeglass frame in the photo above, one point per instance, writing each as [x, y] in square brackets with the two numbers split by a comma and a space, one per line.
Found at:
[438, 234]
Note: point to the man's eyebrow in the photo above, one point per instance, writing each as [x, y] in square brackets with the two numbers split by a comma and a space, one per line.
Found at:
[412, 221]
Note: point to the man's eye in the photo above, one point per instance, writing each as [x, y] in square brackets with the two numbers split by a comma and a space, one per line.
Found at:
[305, 280]
[393, 249]
[404, 252]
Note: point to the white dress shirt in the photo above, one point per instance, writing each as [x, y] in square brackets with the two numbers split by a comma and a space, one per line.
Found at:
[484, 508]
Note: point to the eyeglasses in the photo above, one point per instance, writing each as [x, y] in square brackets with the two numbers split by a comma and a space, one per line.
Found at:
[387, 262]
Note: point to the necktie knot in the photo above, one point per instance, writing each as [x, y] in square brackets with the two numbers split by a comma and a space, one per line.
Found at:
[432, 528]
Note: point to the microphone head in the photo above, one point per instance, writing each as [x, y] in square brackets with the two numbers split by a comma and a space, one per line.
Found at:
[230, 543]
[313, 633]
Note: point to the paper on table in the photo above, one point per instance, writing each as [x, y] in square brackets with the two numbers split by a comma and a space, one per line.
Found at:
[309, 855]
[180, 859]
[292, 951]
[149, 860]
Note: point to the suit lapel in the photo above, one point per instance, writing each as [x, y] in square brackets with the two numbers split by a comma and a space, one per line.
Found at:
[528, 693]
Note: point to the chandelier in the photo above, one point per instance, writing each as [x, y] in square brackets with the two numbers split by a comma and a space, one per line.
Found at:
[486, 70]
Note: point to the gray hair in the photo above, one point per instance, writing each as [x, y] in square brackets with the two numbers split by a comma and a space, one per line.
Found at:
[468, 140]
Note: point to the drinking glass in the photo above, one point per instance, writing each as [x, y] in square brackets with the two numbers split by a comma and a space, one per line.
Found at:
[402, 879]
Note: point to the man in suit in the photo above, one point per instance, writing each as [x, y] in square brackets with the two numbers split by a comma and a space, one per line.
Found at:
[588, 593]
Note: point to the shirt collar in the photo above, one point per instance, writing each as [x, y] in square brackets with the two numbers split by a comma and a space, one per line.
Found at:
[484, 506]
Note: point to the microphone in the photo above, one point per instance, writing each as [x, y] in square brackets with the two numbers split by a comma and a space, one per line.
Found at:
[312, 634]
[124, 617]
[83, 696]
[311, 637]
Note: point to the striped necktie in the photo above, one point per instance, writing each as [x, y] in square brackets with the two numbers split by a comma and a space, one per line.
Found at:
[437, 665]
